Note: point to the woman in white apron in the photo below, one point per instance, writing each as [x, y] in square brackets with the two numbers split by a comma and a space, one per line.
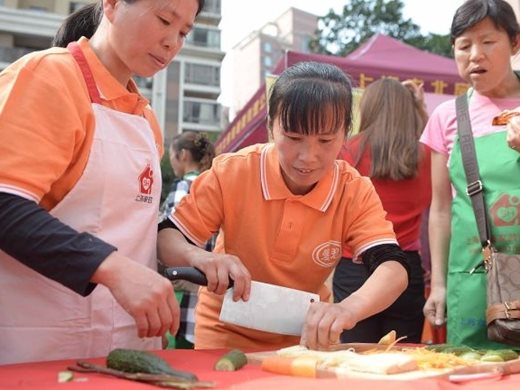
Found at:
[80, 185]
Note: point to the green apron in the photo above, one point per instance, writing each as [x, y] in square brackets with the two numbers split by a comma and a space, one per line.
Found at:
[499, 168]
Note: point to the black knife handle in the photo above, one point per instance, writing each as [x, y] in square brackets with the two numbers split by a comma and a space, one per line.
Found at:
[191, 274]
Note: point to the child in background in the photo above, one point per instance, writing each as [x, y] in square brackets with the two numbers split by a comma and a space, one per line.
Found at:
[190, 154]
[284, 211]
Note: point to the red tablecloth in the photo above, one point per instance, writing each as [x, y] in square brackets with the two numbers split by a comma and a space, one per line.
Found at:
[43, 376]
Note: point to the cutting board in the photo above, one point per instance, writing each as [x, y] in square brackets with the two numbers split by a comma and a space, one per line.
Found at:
[505, 368]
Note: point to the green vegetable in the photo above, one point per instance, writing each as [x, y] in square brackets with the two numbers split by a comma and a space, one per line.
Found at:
[438, 347]
[471, 355]
[504, 354]
[491, 357]
[458, 350]
[231, 361]
[133, 361]
[65, 376]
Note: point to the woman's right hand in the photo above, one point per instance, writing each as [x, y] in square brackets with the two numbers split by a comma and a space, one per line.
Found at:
[219, 268]
[146, 295]
[435, 307]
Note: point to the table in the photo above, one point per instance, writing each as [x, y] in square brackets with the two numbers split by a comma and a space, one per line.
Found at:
[43, 376]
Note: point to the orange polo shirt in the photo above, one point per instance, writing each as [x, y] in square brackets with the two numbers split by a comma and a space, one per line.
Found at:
[47, 123]
[282, 238]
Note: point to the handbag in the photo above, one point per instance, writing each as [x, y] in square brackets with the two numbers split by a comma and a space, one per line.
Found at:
[503, 291]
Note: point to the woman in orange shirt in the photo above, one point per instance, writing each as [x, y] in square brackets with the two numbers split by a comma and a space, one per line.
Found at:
[284, 210]
[80, 185]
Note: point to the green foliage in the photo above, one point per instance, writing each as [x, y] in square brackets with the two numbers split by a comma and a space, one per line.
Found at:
[167, 175]
[340, 34]
[434, 43]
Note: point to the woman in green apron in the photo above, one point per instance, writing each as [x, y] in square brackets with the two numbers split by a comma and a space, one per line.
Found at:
[485, 34]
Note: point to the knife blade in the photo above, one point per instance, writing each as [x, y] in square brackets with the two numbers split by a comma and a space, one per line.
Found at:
[270, 308]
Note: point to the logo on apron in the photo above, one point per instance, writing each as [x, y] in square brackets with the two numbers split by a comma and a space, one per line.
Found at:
[506, 211]
[145, 180]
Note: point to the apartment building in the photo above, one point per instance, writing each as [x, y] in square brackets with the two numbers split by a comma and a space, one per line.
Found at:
[184, 95]
[256, 55]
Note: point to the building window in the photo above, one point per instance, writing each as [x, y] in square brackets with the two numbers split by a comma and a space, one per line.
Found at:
[268, 61]
[204, 37]
[268, 47]
[305, 44]
[201, 113]
[202, 74]
[212, 6]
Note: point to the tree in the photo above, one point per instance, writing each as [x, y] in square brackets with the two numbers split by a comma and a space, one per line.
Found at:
[340, 34]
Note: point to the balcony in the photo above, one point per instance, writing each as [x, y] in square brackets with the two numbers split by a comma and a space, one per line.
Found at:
[202, 37]
[211, 14]
[29, 22]
[201, 115]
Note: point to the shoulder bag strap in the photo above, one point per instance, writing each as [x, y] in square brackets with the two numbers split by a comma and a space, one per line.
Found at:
[469, 160]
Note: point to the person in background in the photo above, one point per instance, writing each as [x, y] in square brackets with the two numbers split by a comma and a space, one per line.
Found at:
[284, 211]
[485, 34]
[80, 186]
[387, 149]
[190, 154]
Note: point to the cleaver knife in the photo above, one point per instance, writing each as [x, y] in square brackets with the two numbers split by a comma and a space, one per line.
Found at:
[270, 308]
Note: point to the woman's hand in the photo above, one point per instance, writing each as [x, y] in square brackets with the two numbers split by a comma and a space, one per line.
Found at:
[147, 296]
[513, 133]
[324, 324]
[417, 91]
[174, 250]
[219, 268]
[435, 307]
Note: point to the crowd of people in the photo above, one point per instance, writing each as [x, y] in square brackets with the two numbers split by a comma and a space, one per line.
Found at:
[83, 231]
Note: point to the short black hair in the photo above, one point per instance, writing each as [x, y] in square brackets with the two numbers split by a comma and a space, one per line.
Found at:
[304, 91]
[472, 12]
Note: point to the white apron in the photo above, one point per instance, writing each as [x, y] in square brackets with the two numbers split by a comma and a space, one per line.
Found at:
[116, 199]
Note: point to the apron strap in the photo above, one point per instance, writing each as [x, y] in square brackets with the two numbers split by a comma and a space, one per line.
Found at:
[80, 58]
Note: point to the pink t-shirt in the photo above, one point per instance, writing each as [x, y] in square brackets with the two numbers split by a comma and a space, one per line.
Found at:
[441, 130]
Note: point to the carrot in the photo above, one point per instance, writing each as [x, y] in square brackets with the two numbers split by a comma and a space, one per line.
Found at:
[305, 366]
[299, 366]
[278, 365]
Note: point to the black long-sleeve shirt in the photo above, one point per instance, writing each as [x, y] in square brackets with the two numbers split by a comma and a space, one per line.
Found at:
[42, 242]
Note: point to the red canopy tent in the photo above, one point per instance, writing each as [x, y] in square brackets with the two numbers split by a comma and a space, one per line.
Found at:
[380, 56]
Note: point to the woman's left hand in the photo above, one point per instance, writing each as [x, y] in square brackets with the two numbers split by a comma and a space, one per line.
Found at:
[324, 324]
[513, 133]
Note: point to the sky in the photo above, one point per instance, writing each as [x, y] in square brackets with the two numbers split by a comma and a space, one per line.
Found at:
[241, 17]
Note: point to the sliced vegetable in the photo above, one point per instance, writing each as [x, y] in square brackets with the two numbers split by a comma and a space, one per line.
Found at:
[278, 365]
[471, 355]
[65, 376]
[304, 366]
[231, 361]
[298, 366]
[388, 338]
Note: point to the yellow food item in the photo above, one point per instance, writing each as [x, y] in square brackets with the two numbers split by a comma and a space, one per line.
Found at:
[388, 338]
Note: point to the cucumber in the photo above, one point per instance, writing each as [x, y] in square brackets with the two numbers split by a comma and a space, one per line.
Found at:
[134, 361]
[458, 350]
[231, 361]
[438, 347]
[491, 357]
[495, 355]
[471, 355]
